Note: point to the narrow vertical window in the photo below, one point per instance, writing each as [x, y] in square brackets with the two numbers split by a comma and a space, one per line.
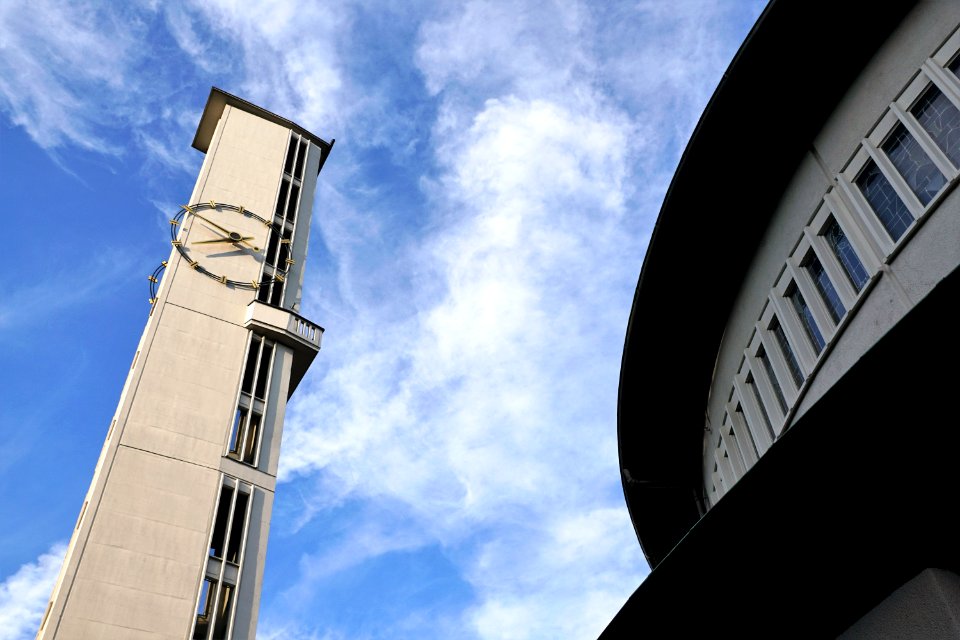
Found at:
[914, 164]
[250, 369]
[845, 254]
[245, 430]
[806, 319]
[763, 410]
[772, 376]
[237, 528]
[291, 152]
[753, 443]
[940, 118]
[223, 612]
[204, 609]
[218, 539]
[215, 600]
[829, 295]
[890, 210]
[282, 198]
[795, 372]
[301, 156]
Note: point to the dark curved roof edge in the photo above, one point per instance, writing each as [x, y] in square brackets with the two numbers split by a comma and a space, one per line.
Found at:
[787, 77]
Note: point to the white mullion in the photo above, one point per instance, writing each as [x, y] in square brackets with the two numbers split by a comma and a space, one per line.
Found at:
[755, 422]
[796, 334]
[948, 83]
[779, 364]
[861, 226]
[726, 469]
[929, 147]
[266, 397]
[835, 271]
[767, 394]
[811, 295]
[733, 448]
[882, 244]
[224, 482]
[749, 448]
[718, 483]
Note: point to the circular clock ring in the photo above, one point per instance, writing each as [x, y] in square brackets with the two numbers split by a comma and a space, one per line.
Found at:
[223, 232]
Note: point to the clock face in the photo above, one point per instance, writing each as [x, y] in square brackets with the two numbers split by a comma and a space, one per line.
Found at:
[216, 239]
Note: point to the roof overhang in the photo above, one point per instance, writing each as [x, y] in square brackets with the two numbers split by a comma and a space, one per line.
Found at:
[219, 99]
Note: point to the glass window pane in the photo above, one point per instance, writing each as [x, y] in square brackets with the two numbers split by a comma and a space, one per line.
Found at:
[888, 206]
[825, 287]
[923, 177]
[739, 412]
[846, 255]
[940, 118]
[806, 319]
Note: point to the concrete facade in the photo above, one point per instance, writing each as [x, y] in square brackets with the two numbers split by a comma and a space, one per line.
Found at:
[141, 549]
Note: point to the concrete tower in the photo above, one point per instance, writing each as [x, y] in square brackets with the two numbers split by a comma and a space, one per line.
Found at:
[172, 535]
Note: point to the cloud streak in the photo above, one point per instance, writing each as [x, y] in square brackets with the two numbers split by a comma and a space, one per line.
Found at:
[24, 594]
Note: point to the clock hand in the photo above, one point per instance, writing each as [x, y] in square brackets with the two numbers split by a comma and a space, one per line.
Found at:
[238, 239]
[213, 223]
[243, 239]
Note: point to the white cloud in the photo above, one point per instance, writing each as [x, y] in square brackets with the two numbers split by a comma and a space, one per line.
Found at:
[24, 594]
[57, 61]
[492, 407]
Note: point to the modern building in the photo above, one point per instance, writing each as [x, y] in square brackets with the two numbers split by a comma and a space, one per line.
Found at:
[788, 417]
[172, 535]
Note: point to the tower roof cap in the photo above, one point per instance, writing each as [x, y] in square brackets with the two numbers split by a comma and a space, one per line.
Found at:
[219, 99]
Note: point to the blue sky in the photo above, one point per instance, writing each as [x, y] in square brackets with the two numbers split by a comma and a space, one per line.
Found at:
[449, 465]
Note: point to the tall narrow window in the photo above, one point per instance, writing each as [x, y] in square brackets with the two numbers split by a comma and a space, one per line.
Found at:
[795, 372]
[890, 210]
[806, 319]
[940, 118]
[245, 434]
[914, 164]
[829, 295]
[846, 255]
[763, 410]
[772, 376]
[739, 411]
[216, 598]
[278, 257]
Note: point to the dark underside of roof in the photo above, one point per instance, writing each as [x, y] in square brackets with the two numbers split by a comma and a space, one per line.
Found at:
[786, 79]
[857, 498]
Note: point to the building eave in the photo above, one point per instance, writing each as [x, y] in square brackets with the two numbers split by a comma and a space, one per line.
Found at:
[742, 154]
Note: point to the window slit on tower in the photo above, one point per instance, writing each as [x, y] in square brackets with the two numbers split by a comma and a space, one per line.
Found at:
[277, 258]
[216, 598]
[245, 433]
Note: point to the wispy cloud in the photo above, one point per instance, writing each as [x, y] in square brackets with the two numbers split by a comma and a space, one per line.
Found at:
[24, 594]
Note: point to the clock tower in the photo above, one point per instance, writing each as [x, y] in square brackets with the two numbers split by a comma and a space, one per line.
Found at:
[171, 538]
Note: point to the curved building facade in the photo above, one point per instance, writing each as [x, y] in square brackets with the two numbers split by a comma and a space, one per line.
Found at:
[788, 463]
